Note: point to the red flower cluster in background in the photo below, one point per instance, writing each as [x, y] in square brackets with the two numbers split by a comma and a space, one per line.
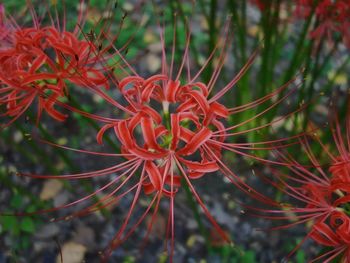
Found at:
[331, 17]
[324, 192]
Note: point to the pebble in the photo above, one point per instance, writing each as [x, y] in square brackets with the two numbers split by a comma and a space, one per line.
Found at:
[47, 231]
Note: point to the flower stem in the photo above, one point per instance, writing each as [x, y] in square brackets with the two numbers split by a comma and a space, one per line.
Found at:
[195, 210]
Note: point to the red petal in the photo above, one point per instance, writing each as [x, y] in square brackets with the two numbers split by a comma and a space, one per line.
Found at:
[146, 155]
[101, 132]
[195, 175]
[148, 188]
[201, 100]
[149, 134]
[171, 90]
[219, 109]
[197, 141]
[202, 167]
[127, 81]
[124, 135]
[152, 113]
[175, 131]
[154, 175]
[202, 86]
[176, 180]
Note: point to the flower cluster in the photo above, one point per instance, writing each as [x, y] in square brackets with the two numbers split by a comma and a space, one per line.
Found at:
[324, 193]
[331, 17]
[40, 63]
[172, 128]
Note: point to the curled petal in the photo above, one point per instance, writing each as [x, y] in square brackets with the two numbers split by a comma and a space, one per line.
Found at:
[148, 188]
[219, 109]
[149, 134]
[171, 90]
[152, 113]
[201, 100]
[126, 81]
[202, 86]
[202, 167]
[124, 135]
[324, 235]
[154, 175]
[195, 175]
[196, 141]
[147, 155]
[101, 132]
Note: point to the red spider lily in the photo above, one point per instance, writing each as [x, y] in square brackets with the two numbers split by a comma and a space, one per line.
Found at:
[324, 194]
[172, 131]
[332, 16]
[41, 62]
[335, 234]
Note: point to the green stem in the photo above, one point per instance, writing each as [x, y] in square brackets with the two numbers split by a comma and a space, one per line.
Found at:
[299, 51]
[195, 210]
[212, 39]
[36, 149]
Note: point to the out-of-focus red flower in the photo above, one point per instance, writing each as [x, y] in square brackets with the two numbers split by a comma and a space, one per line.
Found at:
[332, 17]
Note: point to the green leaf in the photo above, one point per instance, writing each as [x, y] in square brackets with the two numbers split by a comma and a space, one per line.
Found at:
[10, 224]
[27, 225]
[25, 243]
[248, 257]
[16, 201]
[300, 256]
[31, 208]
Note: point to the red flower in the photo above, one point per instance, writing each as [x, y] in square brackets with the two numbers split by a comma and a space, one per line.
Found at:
[173, 128]
[335, 234]
[323, 194]
[38, 63]
[332, 16]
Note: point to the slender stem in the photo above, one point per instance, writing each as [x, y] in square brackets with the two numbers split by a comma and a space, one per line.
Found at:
[38, 151]
[299, 51]
[212, 38]
[195, 210]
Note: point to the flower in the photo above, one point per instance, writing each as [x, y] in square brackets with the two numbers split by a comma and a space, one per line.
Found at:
[332, 17]
[322, 193]
[39, 63]
[172, 129]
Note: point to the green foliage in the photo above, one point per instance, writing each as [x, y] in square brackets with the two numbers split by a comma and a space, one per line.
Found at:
[230, 254]
[20, 228]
